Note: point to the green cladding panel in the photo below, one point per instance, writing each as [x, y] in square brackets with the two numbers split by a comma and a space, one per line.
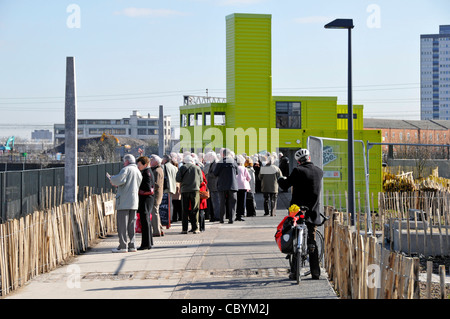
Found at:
[250, 123]
[249, 67]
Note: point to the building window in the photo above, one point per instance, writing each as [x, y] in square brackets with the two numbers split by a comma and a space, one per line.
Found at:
[112, 131]
[199, 120]
[183, 120]
[219, 118]
[207, 117]
[142, 131]
[289, 115]
[191, 120]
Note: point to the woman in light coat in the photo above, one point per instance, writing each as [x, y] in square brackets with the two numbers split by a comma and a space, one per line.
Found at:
[250, 203]
[243, 180]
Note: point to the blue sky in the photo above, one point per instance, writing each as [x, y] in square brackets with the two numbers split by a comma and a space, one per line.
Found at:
[137, 55]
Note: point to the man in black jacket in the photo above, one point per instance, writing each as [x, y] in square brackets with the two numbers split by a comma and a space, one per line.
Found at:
[306, 180]
[226, 171]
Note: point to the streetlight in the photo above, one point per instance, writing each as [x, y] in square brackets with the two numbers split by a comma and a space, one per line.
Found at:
[348, 24]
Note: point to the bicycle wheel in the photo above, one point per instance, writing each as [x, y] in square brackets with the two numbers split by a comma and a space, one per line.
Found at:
[319, 246]
[299, 266]
[298, 255]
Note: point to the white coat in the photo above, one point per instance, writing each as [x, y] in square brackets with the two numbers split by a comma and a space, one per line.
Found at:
[127, 181]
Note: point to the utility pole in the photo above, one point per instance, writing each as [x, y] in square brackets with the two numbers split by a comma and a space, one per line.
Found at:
[161, 148]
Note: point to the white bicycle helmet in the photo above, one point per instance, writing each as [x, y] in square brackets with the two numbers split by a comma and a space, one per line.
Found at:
[302, 155]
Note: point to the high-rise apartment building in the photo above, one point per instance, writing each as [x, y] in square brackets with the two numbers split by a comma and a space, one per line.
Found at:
[435, 75]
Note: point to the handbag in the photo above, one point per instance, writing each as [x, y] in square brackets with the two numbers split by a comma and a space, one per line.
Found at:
[204, 194]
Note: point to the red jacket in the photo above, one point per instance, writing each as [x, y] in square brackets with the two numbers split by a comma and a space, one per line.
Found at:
[203, 202]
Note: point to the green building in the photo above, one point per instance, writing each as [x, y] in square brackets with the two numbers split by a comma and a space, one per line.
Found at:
[251, 120]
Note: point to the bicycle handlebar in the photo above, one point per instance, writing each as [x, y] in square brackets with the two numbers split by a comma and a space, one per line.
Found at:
[325, 218]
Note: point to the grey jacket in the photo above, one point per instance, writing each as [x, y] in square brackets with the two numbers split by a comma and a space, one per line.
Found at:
[269, 175]
[170, 172]
[251, 171]
[127, 181]
[190, 177]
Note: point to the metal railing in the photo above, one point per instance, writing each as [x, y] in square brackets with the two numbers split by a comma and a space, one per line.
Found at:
[22, 192]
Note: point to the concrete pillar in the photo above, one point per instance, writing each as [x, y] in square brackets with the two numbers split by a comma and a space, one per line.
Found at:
[161, 148]
[71, 138]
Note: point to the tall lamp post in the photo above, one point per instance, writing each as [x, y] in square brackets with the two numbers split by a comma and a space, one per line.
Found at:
[348, 24]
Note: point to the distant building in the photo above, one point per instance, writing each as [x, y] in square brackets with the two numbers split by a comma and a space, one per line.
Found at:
[411, 132]
[135, 126]
[435, 75]
[41, 135]
[408, 131]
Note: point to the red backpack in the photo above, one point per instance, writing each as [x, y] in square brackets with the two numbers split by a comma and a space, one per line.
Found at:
[283, 235]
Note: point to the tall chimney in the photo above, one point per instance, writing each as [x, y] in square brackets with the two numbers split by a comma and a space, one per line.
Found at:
[71, 138]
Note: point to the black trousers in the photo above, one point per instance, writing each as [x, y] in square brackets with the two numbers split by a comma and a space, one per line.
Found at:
[190, 202]
[270, 203]
[250, 204]
[240, 205]
[144, 210]
[228, 200]
[314, 265]
[177, 214]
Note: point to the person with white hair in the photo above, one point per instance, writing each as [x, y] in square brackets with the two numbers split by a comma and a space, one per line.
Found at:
[243, 179]
[190, 178]
[214, 208]
[226, 171]
[269, 175]
[250, 203]
[128, 182]
[155, 164]
[170, 183]
[275, 160]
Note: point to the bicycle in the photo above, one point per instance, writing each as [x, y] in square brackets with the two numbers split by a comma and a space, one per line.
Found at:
[300, 247]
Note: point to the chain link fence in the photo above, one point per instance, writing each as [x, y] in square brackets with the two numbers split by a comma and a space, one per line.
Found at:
[22, 192]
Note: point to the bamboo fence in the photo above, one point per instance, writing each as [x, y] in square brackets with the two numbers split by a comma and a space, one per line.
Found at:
[37, 243]
[425, 215]
[361, 269]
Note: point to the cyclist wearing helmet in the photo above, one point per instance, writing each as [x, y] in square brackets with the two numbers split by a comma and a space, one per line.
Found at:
[306, 181]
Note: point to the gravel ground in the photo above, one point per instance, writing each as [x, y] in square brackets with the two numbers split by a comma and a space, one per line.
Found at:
[435, 286]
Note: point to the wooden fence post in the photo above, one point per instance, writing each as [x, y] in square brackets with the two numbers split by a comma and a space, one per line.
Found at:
[442, 281]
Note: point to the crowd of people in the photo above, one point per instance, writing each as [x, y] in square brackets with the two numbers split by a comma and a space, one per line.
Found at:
[217, 187]
[212, 186]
